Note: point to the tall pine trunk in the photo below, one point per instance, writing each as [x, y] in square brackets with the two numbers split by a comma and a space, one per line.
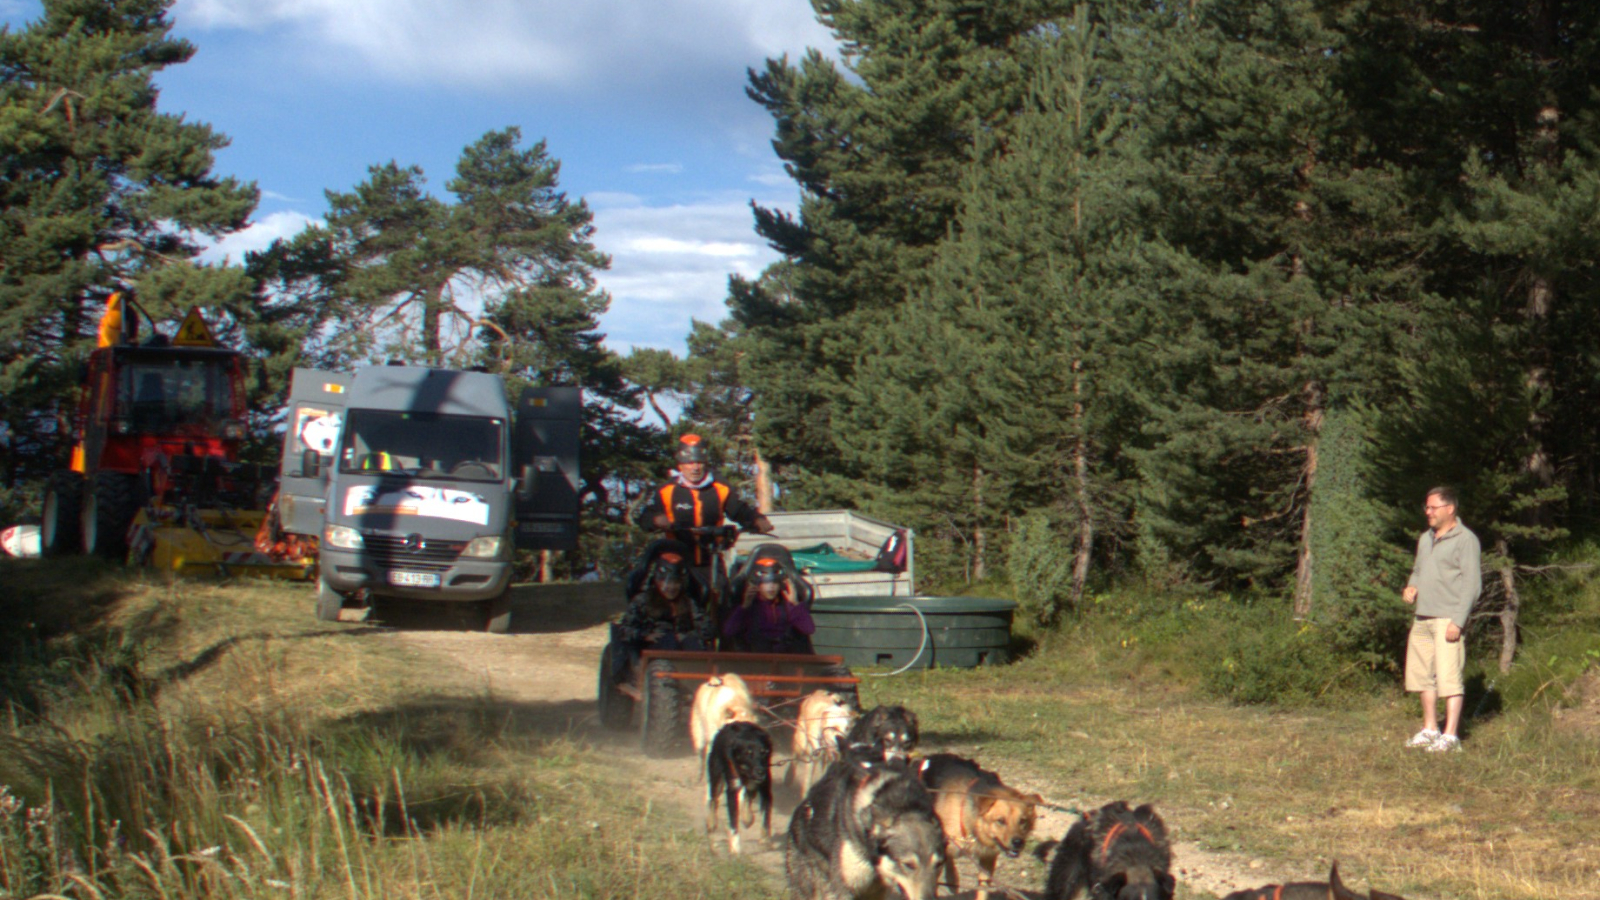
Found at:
[1508, 613]
[432, 325]
[1080, 475]
[1316, 403]
[980, 539]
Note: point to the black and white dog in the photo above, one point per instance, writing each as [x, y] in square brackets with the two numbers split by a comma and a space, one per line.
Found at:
[890, 730]
[866, 829]
[740, 764]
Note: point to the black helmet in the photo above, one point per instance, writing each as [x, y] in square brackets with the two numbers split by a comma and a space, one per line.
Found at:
[692, 449]
[669, 567]
[766, 570]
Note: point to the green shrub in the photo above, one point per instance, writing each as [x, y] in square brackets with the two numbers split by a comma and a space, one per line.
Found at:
[1039, 565]
[1265, 660]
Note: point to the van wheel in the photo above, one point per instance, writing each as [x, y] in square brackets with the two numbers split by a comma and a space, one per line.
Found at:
[614, 707]
[60, 531]
[498, 611]
[662, 730]
[329, 601]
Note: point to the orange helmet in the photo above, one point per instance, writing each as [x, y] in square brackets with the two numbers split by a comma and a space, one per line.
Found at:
[692, 449]
[766, 570]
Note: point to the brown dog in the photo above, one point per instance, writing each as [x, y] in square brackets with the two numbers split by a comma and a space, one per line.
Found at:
[722, 699]
[1332, 889]
[981, 816]
[823, 719]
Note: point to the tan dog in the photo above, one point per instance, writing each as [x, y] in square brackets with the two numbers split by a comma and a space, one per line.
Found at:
[982, 818]
[823, 719]
[722, 699]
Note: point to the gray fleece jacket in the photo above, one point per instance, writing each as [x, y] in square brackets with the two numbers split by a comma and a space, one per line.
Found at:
[1447, 574]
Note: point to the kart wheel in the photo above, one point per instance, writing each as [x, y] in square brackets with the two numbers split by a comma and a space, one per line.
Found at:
[60, 531]
[108, 509]
[662, 729]
[329, 601]
[498, 613]
[615, 709]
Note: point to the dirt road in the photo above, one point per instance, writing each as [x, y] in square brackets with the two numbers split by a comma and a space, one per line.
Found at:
[547, 666]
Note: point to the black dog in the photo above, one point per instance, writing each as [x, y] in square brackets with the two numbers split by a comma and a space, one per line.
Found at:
[1114, 852]
[740, 763]
[867, 828]
[890, 730]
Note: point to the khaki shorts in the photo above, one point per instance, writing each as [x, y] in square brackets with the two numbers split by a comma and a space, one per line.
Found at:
[1433, 663]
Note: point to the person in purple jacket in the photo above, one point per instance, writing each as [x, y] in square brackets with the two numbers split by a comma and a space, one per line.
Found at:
[770, 618]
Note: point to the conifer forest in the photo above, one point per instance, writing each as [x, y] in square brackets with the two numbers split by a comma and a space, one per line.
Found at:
[1205, 293]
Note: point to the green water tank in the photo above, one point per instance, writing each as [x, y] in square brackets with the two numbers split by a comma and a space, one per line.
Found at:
[921, 632]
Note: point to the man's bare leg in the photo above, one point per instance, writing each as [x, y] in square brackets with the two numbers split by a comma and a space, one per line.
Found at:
[1452, 714]
[1430, 711]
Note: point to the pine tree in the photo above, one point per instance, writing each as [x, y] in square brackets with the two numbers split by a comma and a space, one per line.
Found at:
[1266, 222]
[1490, 110]
[877, 147]
[99, 192]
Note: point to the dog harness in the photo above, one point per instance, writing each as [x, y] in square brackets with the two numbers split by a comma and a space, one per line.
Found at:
[1117, 829]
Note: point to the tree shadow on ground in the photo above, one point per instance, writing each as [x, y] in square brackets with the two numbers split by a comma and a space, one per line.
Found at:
[535, 609]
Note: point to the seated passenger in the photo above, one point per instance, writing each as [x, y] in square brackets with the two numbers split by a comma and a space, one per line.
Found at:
[771, 618]
[662, 615]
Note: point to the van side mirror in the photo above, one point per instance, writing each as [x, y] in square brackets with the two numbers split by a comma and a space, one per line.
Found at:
[310, 464]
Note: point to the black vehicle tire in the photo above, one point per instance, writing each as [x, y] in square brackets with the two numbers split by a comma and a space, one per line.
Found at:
[615, 708]
[846, 692]
[110, 504]
[60, 525]
[329, 601]
[497, 613]
[662, 730]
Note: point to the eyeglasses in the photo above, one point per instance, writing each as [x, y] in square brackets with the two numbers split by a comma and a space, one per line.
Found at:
[1427, 508]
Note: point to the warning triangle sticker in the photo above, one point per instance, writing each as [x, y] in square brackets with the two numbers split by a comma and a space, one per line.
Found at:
[194, 332]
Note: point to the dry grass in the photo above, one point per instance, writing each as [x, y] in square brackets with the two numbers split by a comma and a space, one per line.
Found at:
[194, 739]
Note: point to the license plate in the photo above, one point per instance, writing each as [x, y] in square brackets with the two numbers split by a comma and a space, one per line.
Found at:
[414, 579]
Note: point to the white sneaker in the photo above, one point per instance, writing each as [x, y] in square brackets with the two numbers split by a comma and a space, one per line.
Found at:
[1444, 744]
[1424, 738]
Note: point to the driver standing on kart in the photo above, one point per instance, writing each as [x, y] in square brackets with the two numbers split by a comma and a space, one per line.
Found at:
[694, 498]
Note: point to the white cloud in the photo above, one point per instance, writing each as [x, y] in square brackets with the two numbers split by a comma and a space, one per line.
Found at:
[670, 264]
[550, 43]
[257, 235]
[656, 168]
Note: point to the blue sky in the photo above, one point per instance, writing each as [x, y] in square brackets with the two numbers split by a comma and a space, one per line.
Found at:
[642, 101]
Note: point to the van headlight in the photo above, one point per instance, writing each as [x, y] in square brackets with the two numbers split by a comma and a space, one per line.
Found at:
[343, 537]
[483, 547]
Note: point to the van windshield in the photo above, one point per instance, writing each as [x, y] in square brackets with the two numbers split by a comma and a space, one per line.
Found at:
[426, 445]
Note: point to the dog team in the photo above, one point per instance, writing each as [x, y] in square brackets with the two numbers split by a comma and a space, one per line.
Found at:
[876, 821]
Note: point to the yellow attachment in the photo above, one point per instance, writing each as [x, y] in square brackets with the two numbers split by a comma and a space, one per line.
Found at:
[208, 541]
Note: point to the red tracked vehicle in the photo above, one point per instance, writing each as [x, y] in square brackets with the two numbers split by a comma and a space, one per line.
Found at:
[157, 432]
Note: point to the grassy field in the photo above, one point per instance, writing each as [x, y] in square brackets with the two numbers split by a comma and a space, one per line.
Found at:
[192, 739]
[1512, 817]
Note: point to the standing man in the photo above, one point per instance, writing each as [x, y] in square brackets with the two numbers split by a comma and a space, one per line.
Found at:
[1445, 582]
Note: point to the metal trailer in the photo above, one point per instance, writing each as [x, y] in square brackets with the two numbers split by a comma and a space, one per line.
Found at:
[658, 696]
[848, 532]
